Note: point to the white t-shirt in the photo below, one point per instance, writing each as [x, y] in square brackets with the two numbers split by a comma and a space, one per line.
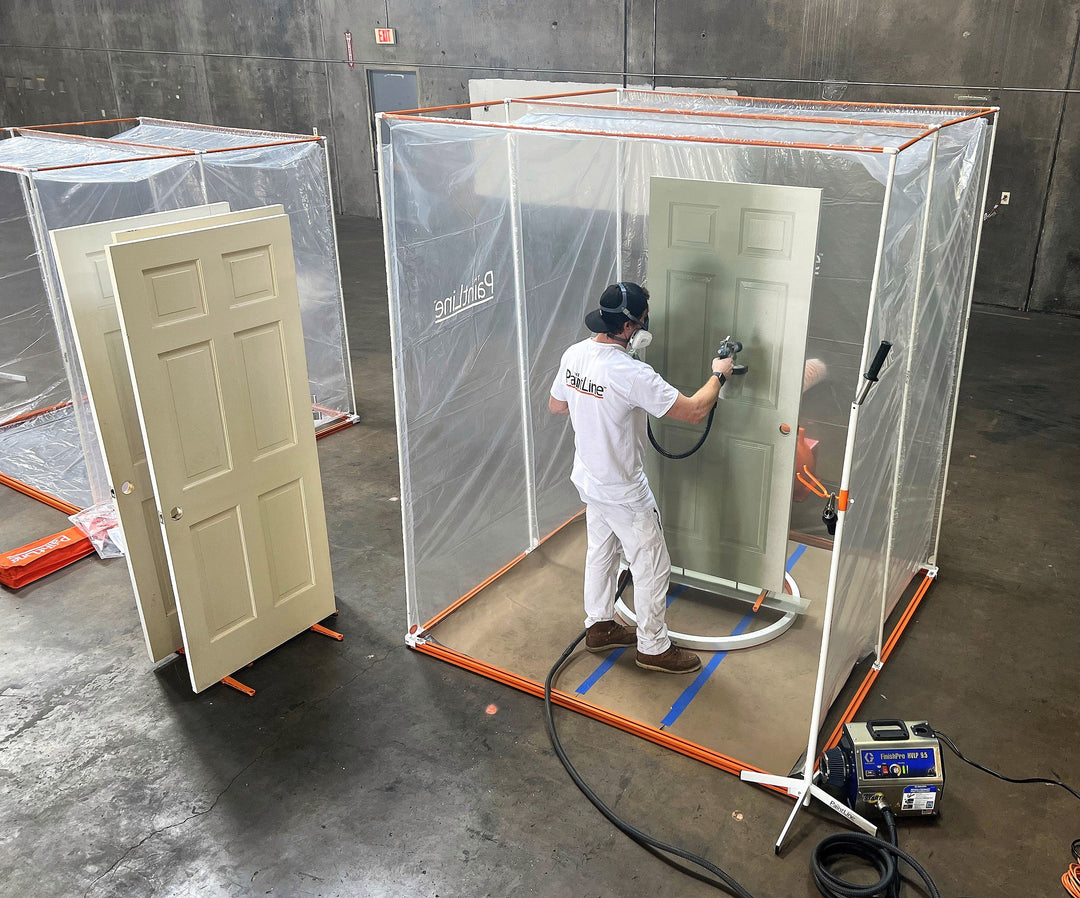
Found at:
[609, 394]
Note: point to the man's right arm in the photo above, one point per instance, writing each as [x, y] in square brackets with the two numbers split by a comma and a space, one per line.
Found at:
[694, 409]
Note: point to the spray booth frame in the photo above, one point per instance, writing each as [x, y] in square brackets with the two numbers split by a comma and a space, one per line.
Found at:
[924, 126]
[162, 149]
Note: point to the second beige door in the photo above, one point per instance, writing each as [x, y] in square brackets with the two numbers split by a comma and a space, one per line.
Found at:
[211, 327]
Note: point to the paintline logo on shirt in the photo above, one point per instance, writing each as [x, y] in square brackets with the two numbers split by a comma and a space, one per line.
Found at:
[584, 385]
[480, 290]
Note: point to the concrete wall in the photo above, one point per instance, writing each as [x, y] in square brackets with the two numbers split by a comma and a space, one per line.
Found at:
[280, 64]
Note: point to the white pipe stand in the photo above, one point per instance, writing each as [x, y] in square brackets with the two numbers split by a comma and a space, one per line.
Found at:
[804, 788]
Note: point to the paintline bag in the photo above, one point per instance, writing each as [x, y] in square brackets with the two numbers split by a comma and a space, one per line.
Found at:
[43, 556]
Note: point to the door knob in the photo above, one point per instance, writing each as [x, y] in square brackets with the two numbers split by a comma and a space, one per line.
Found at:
[177, 513]
[785, 429]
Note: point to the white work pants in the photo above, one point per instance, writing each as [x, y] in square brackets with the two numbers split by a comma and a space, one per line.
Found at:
[638, 531]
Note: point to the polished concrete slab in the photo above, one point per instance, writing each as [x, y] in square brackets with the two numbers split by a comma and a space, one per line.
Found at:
[363, 768]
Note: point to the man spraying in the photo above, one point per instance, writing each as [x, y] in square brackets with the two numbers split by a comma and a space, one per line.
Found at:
[609, 394]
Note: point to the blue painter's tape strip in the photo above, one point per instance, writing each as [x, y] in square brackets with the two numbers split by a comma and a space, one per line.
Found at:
[741, 627]
[694, 688]
[610, 660]
[604, 667]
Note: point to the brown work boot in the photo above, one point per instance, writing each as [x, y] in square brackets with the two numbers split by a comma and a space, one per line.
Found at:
[674, 660]
[609, 634]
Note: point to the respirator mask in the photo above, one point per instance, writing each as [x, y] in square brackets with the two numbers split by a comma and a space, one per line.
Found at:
[639, 339]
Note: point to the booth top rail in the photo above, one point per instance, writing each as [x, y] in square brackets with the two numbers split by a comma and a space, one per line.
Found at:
[51, 147]
[592, 132]
[917, 121]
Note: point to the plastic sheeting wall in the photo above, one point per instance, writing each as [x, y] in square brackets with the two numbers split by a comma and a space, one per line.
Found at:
[566, 213]
[57, 452]
[40, 449]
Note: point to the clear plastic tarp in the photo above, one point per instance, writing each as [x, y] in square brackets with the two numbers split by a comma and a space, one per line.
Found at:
[57, 180]
[501, 236]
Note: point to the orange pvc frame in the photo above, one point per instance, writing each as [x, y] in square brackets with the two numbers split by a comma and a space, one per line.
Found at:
[925, 130]
[170, 152]
[787, 145]
[779, 100]
[753, 116]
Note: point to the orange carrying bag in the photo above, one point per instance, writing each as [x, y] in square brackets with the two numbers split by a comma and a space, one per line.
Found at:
[43, 556]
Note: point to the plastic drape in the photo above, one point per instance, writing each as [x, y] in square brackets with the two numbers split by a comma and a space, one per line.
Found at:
[569, 239]
[571, 210]
[49, 184]
[618, 120]
[294, 175]
[663, 99]
[458, 381]
[76, 196]
[902, 440]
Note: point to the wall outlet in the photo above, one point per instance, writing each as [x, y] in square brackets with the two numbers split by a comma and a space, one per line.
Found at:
[1005, 196]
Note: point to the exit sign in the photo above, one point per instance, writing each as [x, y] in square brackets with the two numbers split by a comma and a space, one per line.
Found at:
[386, 35]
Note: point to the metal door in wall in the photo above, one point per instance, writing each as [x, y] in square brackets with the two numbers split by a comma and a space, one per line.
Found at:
[84, 276]
[389, 90]
[730, 259]
[211, 328]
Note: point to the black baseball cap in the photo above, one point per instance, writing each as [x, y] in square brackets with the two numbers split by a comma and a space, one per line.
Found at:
[610, 317]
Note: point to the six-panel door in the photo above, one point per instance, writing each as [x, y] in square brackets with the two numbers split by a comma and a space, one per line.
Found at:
[732, 259]
[84, 276]
[211, 326]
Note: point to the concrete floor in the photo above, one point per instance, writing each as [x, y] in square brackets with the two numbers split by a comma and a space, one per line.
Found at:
[363, 768]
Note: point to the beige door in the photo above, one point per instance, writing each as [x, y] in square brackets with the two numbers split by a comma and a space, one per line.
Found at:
[211, 327]
[84, 276]
[221, 217]
[730, 259]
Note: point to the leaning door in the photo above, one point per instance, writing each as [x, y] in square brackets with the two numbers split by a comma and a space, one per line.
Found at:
[84, 276]
[732, 259]
[211, 327]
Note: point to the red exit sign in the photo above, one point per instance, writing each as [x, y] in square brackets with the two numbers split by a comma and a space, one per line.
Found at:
[386, 35]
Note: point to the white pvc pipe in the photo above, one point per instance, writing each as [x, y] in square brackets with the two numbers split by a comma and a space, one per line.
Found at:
[620, 161]
[408, 550]
[963, 342]
[910, 347]
[522, 350]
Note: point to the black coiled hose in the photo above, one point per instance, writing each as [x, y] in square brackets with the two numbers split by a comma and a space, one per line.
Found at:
[642, 838]
[878, 853]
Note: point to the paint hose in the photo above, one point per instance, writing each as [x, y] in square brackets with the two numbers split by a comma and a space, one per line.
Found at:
[657, 847]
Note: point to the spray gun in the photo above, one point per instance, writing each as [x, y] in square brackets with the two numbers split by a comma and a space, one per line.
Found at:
[732, 387]
[729, 349]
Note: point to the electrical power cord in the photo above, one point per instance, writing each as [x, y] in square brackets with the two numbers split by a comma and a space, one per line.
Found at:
[642, 838]
[1001, 776]
[880, 853]
[1070, 879]
[689, 452]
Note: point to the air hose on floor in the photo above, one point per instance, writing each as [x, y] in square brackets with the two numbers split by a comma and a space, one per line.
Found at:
[642, 838]
[879, 853]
